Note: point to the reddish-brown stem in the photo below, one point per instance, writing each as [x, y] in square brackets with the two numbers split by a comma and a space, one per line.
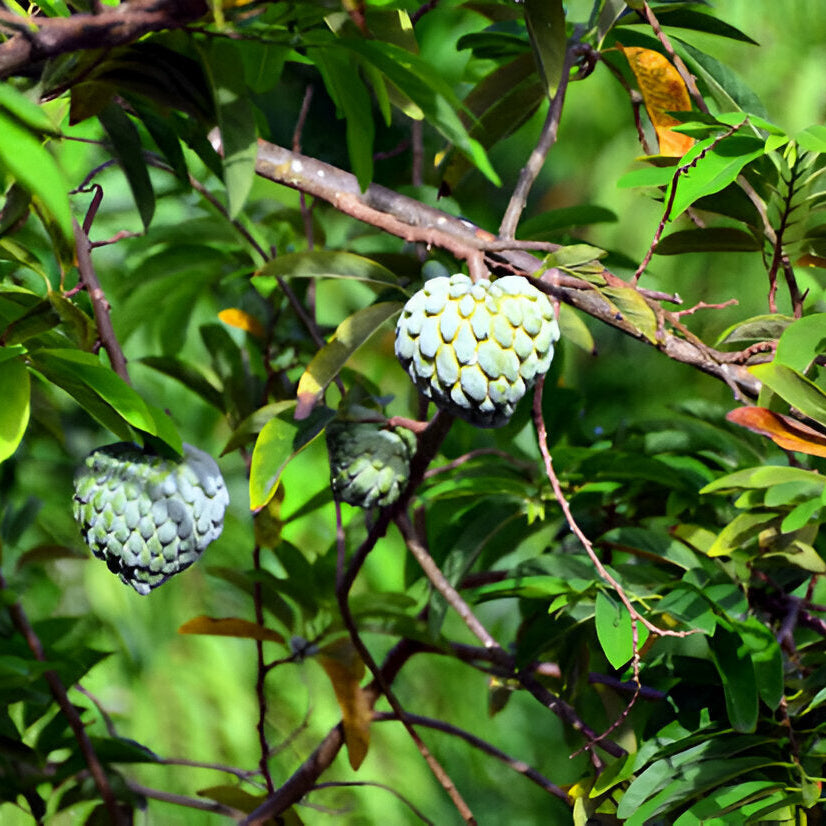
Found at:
[261, 676]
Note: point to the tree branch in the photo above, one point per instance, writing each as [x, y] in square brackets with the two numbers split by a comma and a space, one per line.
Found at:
[413, 221]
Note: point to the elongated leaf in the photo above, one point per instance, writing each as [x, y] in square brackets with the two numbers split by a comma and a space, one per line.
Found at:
[345, 668]
[29, 162]
[126, 145]
[350, 95]
[733, 660]
[634, 309]
[802, 341]
[545, 20]
[614, 632]
[280, 440]
[716, 169]
[688, 18]
[758, 328]
[242, 320]
[553, 221]
[765, 476]
[708, 239]
[782, 430]
[348, 337]
[254, 424]
[188, 375]
[663, 91]
[229, 627]
[742, 529]
[236, 120]
[794, 388]
[766, 657]
[322, 264]
[416, 79]
[574, 329]
[813, 138]
[15, 391]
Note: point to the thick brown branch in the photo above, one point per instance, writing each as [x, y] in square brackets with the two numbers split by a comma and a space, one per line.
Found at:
[413, 221]
[44, 37]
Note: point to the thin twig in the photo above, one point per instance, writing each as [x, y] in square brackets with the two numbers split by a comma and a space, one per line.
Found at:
[488, 748]
[475, 454]
[261, 676]
[703, 306]
[22, 624]
[100, 305]
[342, 596]
[336, 784]
[180, 800]
[547, 138]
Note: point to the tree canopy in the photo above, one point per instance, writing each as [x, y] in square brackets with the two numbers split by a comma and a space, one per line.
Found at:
[563, 565]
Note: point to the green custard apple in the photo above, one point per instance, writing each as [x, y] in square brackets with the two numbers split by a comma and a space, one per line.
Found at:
[369, 464]
[146, 516]
[475, 349]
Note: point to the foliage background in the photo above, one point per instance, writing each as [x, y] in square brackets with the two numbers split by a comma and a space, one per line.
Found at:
[193, 696]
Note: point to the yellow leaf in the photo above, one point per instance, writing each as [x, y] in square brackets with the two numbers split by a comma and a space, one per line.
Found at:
[229, 627]
[243, 321]
[663, 90]
[345, 669]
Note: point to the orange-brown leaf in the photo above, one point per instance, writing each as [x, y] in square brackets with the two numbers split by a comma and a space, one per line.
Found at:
[229, 627]
[345, 669]
[243, 321]
[663, 91]
[784, 431]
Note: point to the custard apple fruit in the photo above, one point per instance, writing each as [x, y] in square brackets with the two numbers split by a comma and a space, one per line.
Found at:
[475, 349]
[148, 517]
[369, 464]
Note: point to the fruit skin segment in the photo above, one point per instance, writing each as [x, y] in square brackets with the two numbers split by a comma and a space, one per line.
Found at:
[148, 517]
[475, 349]
[369, 464]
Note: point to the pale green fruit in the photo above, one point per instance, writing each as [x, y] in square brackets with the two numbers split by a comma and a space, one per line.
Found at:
[369, 464]
[475, 349]
[148, 517]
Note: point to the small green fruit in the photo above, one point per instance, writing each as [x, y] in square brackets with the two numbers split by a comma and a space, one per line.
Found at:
[148, 517]
[475, 349]
[369, 464]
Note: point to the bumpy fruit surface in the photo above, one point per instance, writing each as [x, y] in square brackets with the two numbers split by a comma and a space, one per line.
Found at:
[145, 516]
[369, 465]
[475, 349]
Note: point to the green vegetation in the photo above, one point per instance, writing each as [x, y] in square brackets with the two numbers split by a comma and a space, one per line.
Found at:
[563, 563]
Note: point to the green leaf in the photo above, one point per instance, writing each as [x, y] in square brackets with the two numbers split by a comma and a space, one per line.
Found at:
[614, 632]
[545, 20]
[328, 361]
[732, 658]
[254, 424]
[188, 375]
[634, 309]
[350, 95]
[416, 79]
[103, 381]
[741, 530]
[686, 18]
[718, 163]
[801, 342]
[554, 221]
[813, 138]
[322, 264]
[757, 328]
[15, 391]
[29, 162]
[126, 146]
[281, 439]
[25, 110]
[572, 328]
[708, 239]
[766, 657]
[236, 120]
[794, 388]
[765, 476]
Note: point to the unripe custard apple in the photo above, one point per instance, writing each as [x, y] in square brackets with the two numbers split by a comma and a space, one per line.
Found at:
[146, 516]
[476, 348]
[369, 464]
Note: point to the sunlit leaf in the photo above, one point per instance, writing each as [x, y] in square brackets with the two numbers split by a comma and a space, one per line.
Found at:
[614, 631]
[345, 669]
[242, 320]
[802, 342]
[545, 20]
[15, 388]
[794, 388]
[322, 264]
[574, 329]
[740, 531]
[281, 438]
[229, 627]
[327, 362]
[634, 309]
